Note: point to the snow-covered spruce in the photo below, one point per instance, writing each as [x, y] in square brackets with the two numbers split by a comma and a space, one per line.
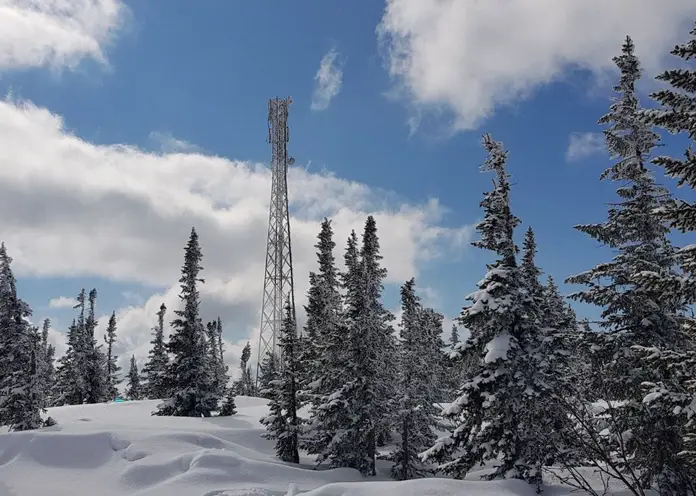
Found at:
[155, 369]
[502, 387]
[324, 352]
[218, 369]
[414, 411]
[112, 367]
[282, 423]
[21, 392]
[189, 374]
[636, 310]
[134, 389]
[245, 385]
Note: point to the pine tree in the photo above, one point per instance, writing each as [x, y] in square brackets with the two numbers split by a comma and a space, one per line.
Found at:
[370, 369]
[112, 367]
[282, 423]
[454, 336]
[490, 426]
[192, 391]
[97, 380]
[329, 414]
[245, 385]
[69, 381]
[134, 390]
[634, 311]
[46, 366]
[20, 386]
[155, 369]
[415, 414]
[267, 373]
[229, 406]
[217, 361]
[675, 115]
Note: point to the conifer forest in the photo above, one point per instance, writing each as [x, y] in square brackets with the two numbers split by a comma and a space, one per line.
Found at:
[521, 384]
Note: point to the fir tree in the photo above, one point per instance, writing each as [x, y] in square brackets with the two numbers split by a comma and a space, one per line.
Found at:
[487, 412]
[112, 367]
[155, 369]
[635, 312]
[267, 373]
[192, 391]
[217, 361]
[134, 390]
[69, 379]
[244, 385]
[229, 406]
[97, 380]
[370, 370]
[415, 414]
[454, 336]
[283, 423]
[46, 366]
[20, 386]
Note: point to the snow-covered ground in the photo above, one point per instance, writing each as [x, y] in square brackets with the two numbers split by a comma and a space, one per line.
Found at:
[120, 449]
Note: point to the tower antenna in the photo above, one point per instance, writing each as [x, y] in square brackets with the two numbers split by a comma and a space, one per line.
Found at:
[278, 282]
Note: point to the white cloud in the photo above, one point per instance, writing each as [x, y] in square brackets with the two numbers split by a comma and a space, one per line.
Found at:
[62, 302]
[472, 57]
[56, 33]
[169, 144]
[581, 145]
[76, 209]
[328, 80]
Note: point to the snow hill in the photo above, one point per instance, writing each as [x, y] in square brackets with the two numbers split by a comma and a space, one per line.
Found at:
[120, 449]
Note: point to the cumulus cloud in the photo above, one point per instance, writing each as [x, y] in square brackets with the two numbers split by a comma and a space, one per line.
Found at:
[169, 144]
[56, 33]
[62, 302]
[328, 80]
[469, 58]
[76, 209]
[581, 145]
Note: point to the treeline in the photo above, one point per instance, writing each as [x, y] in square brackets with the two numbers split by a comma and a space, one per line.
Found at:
[535, 390]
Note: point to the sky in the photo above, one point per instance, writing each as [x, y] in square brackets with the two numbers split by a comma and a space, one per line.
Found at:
[126, 123]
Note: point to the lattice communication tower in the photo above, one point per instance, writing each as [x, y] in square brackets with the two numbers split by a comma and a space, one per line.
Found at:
[278, 278]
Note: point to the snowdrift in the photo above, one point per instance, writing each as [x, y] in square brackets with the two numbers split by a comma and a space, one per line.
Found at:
[120, 449]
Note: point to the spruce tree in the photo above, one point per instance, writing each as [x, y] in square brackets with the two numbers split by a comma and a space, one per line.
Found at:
[245, 385]
[218, 369]
[489, 424]
[229, 406]
[69, 381]
[414, 413]
[454, 336]
[20, 385]
[134, 390]
[282, 423]
[97, 380]
[367, 389]
[635, 312]
[192, 392]
[155, 369]
[112, 367]
[46, 366]
[267, 373]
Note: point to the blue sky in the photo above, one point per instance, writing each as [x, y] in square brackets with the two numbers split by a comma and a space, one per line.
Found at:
[194, 77]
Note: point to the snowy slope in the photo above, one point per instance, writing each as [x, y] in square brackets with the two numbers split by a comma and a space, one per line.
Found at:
[119, 449]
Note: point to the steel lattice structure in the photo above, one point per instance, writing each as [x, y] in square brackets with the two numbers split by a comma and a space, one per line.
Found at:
[278, 278]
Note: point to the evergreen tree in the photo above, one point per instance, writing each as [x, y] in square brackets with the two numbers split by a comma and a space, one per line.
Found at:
[112, 367]
[454, 336]
[192, 391]
[20, 386]
[46, 367]
[282, 423]
[368, 386]
[97, 380]
[69, 381]
[245, 385]
[267, 373]
[491, 411]
[155, 369]
[229, 406]
[217, 361]
[415, 414]
[134, 390]
[634, 311]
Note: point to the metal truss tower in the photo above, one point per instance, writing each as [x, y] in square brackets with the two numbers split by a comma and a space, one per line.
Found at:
[278, 278]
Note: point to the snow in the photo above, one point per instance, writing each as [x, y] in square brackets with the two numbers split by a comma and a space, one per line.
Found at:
[118, 449]
[497, 348]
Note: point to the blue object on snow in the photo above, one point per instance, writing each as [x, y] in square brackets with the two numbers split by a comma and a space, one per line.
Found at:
[119, 400]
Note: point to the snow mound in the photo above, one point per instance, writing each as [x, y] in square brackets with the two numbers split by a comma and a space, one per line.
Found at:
[119, 449]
